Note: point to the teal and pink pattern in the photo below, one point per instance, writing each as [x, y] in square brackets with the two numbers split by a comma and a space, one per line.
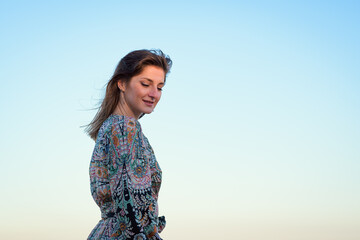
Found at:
[125, 180]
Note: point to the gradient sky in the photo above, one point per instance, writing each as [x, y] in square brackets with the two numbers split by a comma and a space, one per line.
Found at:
[257, 131]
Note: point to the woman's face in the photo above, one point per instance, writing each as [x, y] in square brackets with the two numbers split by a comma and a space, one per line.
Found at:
[143, 91]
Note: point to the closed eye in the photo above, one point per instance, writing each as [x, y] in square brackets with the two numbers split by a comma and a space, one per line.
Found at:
[147, 85]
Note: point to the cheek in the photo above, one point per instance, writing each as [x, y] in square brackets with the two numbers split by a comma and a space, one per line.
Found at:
[140, 93]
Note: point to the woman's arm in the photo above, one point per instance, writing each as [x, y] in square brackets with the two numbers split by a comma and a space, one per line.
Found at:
[131, 185]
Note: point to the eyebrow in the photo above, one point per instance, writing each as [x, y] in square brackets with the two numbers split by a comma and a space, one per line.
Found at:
[151, 80]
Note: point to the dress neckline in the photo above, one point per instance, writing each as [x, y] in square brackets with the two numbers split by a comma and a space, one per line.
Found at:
[125, 117]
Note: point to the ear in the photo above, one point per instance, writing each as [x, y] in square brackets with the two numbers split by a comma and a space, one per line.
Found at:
[121, 85]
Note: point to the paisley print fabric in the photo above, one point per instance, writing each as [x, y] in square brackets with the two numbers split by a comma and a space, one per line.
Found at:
[125, 180]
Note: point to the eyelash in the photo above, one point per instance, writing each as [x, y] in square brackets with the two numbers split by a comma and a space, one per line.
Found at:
[146, 85]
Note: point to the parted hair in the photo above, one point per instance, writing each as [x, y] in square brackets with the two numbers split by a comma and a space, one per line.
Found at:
[129, 66]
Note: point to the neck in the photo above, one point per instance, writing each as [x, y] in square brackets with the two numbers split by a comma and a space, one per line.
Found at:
[124, 110]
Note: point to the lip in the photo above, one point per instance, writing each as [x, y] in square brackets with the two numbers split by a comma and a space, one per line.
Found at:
[148, 103]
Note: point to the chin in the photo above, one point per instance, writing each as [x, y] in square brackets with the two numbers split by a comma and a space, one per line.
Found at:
[148, 111]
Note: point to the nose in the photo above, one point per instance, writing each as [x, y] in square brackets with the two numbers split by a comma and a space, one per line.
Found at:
[154, 93]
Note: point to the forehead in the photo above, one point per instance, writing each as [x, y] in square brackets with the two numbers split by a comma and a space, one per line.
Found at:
[152, 73]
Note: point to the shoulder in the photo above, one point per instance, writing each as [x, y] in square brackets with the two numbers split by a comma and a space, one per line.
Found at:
[119, 125]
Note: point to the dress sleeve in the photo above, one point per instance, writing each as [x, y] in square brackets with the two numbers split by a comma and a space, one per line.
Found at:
[99, 176]
[131, 185]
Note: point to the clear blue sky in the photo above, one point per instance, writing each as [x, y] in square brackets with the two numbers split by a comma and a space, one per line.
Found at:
[257, 131]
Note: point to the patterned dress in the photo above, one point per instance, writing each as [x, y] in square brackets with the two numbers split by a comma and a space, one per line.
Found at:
[125, 179]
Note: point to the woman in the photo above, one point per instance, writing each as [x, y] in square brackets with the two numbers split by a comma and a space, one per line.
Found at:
[125, 177]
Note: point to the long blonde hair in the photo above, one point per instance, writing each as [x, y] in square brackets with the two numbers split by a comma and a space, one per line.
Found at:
[129, 66]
